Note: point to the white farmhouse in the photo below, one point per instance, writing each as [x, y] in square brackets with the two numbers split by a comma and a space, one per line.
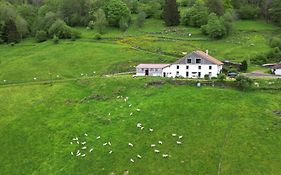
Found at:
[277, 69]
[194, 65]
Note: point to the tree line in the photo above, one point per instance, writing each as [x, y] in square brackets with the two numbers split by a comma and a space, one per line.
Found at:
[46, 19]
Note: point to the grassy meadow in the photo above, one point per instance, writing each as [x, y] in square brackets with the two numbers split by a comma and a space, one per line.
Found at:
[225, 131]
[233, 129]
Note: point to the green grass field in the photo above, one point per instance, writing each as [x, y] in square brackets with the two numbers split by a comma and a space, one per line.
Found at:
[233, 129]
[225, 131]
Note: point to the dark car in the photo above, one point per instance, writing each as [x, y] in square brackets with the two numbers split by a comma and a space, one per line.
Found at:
[232, 74]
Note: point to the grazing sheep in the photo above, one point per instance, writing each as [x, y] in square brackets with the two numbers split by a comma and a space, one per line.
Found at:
[4, 81]
[104, 144]
[83, 143]
[83, 155]
[109, 143]
[179, 143]
[84, 147]
[138, 110]
[91, 150]
[130, 105]
[139, 156]
[71, 153]
[152, 145]
[139, 125]
[174, 135]
[131, 114]
[78, 154]
[110, 152]
[98, 137]
[151, 130]
[77, 142]
[142, 128]
[156, 151]
[180, 137]
[130, 144]
[86, 134]
[165, 155]
[132, 160]
[109, 114]
[71, 143]
[34, 78]
[160, 142]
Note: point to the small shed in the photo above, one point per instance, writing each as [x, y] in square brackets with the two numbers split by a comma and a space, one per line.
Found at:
[155, 70]
[277, 69]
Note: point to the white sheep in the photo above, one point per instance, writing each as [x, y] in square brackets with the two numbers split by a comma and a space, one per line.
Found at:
[91, 150]
[83, 155]
[152, 145]
[174, 135]
[160, 142]
[71, 153]
[151, 130]
[138, 110]
[139, 156]
[179, 143]
[77, 142]
[34, 78]
[130, 144]
[98, 137]
[132, 160]
[180, 137]
[71, 143]
[165, 155]
[109, 114]
[142, 128]
[156, 151]
[131, 114]
[83, 143]
[110, 152]
[109, 143]
[84, 147]
[139, 125]
[86, 134]
[104, 144]
[130, 105]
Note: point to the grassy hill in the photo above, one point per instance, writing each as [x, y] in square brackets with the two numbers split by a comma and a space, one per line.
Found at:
[224, 130]
[237, 131]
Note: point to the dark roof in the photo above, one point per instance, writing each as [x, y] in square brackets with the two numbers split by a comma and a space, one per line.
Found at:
[202, 55]
[277, 66]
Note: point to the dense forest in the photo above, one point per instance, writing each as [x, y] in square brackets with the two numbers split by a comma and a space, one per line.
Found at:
[45, 19]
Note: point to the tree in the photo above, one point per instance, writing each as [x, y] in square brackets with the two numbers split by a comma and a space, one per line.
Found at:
[22, 26]
[244, 66]
[10, 33]
[60, 29]
[171, 13]
[115, 10]
[215, 6]
[140, 19]
[196, 16]
[215, 27]
[41, 36]
[123, 24]
[275, 12]
[227, 20]
[100, 22]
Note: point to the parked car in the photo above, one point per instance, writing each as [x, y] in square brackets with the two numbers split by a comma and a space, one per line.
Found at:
[232, 74]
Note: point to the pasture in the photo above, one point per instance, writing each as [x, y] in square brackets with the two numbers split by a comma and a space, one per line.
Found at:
[223, 130]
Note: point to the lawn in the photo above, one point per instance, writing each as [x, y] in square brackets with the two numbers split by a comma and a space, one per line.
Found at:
[237, 130]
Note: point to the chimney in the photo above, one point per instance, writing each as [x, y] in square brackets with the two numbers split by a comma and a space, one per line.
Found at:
[207, 52]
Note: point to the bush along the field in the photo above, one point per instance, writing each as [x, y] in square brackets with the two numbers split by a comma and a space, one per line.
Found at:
[41, 36]
[275, 42]
[243, 82]
[244, 66]
[272, 56]
[98, 36]
[62, 30]
[123, 24]
[221, 77]
[56, 39]
[248, 12]
[140, 19]
[195, 16]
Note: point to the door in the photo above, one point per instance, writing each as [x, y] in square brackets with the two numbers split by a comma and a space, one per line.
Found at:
[146, 72]
[164, 74]
[199, 74]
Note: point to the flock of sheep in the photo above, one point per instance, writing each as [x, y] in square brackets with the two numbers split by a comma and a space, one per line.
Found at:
[84, 149]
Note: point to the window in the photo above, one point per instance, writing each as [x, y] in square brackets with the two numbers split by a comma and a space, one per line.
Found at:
[199, 67]
[178, 73]
[187, 67]
[187, 74]
[199, 74]
[142, 69]
[210, 74]
[210, 67]
[194, 72]
[198, 61]
[178, 67]
[156, 70]
[188, 61]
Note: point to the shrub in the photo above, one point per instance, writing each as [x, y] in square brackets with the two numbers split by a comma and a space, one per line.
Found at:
[206, 77]
[215, 27]
[244, 66]
[140, 19]
[55, 39]
[98, 36]
[243, 82]
[41, 36]
[60, 29]
[123, 24]
[195, 16]
[75, 34]
[221, 77]
[275, 42]
[91, 25]
[248, 12]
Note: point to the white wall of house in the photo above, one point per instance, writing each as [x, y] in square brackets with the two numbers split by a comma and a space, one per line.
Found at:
[192, 70]
[151, 72]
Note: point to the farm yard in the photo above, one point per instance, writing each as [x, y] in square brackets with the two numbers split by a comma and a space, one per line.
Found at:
[91, 122]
